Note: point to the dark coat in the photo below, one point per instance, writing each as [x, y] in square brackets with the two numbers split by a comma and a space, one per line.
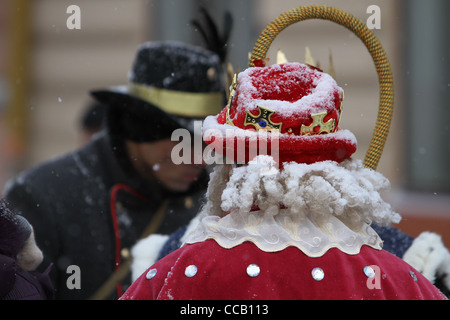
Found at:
[18, 284]
[79, 203]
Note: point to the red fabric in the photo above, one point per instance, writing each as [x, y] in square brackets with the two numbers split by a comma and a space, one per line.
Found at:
[284, 275]
[286, 82]
[301, 149]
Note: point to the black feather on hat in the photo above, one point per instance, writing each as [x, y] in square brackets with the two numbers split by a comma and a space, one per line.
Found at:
[170, 85]
[215, 41]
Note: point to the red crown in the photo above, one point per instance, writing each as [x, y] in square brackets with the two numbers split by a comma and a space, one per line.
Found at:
[298, 101]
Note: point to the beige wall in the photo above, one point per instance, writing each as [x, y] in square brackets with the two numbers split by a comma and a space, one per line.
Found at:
[66, 64]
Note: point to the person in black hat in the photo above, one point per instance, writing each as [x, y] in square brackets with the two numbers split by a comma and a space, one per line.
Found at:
[90, 206]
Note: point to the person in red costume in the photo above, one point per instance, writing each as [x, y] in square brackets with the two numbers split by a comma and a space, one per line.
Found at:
[290, 218]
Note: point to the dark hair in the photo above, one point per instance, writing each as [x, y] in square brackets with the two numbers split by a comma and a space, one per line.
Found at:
[93, 117]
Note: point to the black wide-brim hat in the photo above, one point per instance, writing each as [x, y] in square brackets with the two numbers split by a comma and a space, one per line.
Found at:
[170, 86]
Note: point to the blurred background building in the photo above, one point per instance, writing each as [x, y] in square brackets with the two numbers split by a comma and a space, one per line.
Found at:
[47, 70]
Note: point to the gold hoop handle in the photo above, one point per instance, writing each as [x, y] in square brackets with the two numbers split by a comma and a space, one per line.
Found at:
[372, 43]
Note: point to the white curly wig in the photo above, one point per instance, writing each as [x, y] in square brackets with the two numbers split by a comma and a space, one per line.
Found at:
[348, 190]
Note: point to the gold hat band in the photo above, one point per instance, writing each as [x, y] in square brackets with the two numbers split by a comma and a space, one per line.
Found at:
[186, 104]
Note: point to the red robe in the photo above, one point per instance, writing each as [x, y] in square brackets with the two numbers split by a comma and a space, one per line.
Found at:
[224, 274]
